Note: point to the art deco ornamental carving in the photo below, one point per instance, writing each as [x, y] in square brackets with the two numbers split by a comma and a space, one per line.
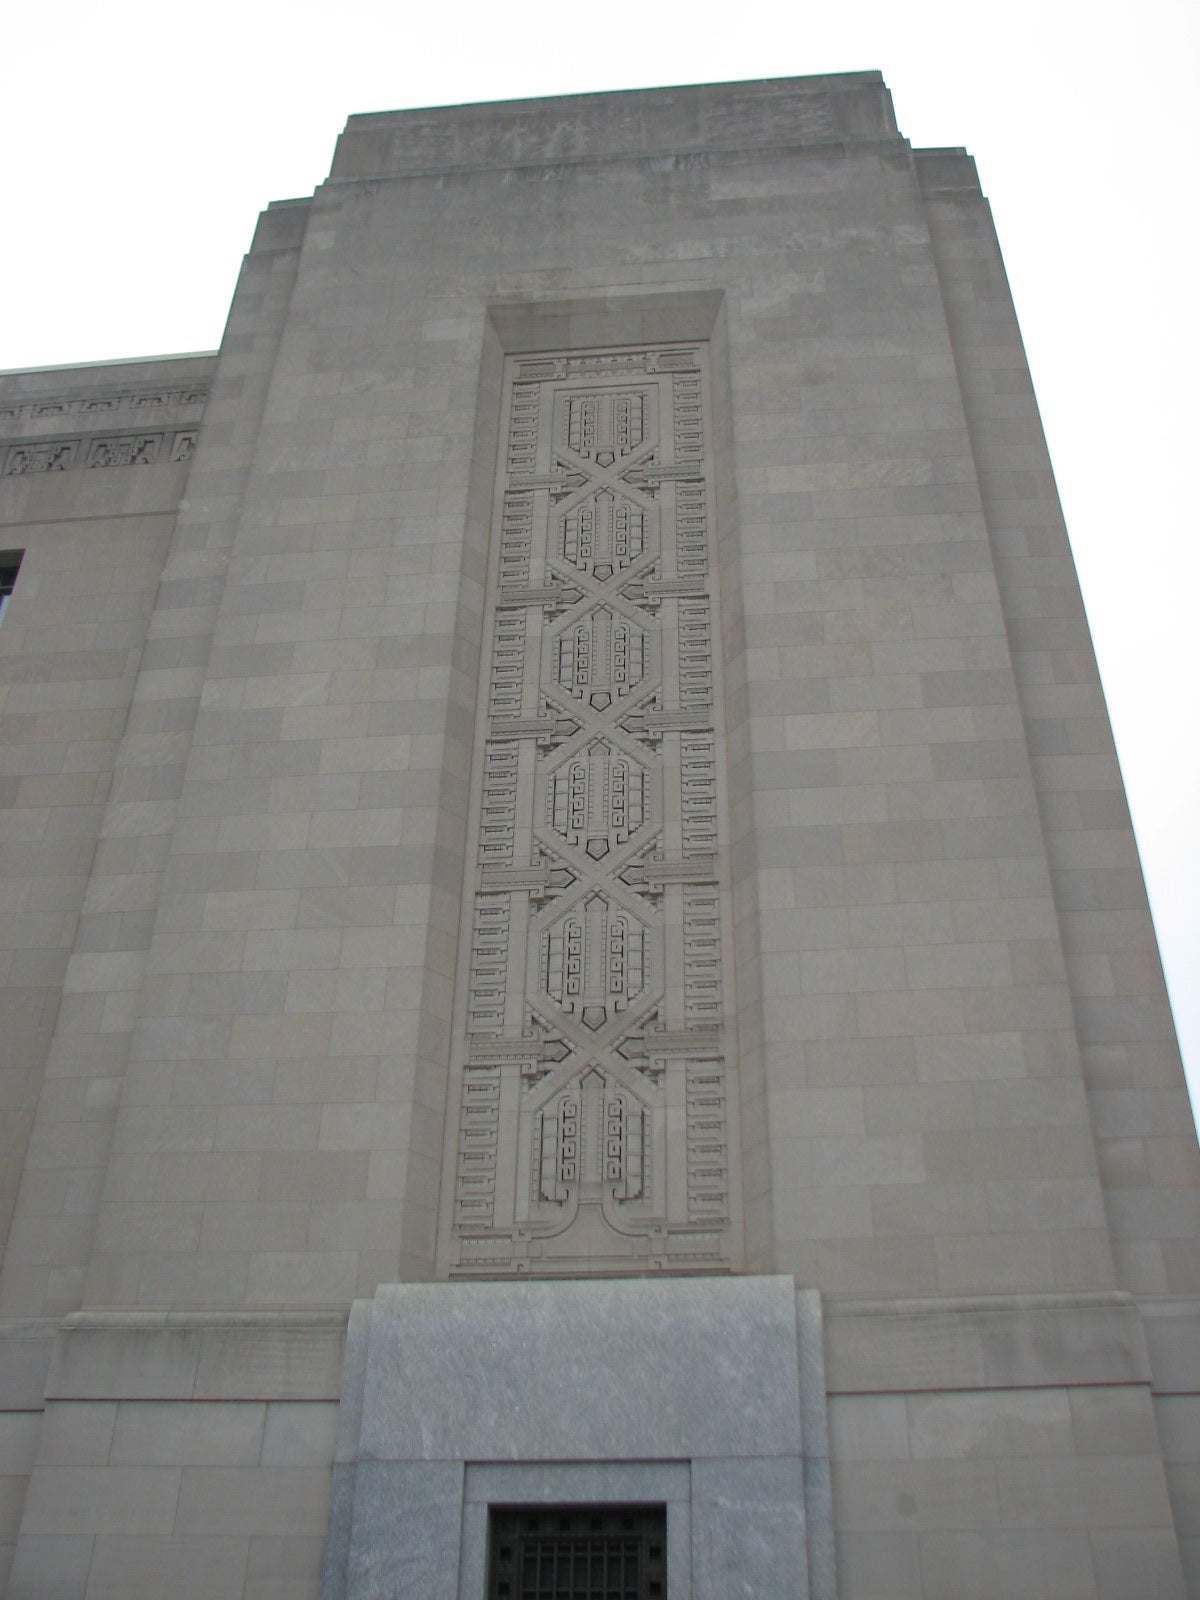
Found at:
[594, 1125]
[141, 400]
[126, 450]
[166, 420]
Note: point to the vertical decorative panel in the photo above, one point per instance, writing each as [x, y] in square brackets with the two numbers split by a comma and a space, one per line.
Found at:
[594, 1120]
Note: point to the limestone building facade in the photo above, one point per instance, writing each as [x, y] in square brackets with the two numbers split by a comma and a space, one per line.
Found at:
[575, 970]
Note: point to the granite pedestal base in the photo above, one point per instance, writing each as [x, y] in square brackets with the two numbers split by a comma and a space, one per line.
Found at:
[697, 1395]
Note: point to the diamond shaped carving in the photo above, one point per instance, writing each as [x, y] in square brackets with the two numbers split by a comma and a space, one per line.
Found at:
[595, 960]
[600, 657]
[599, 799]
[603, 534]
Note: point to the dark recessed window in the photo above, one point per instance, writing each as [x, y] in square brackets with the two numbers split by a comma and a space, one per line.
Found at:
[577, 1553]
[10, 565]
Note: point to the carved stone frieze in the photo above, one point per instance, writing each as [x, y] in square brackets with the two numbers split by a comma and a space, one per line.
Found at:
[101, 405]
[123, 450]
[594, 1129]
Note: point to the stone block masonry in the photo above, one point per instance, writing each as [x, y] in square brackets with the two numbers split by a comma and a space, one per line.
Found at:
[569, 931]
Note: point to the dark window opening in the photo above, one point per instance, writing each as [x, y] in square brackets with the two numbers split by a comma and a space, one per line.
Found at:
[577, 1553]
[10, 565]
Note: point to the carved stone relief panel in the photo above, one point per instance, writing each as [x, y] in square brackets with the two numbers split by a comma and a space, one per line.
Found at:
[167, 422]
[595, 1120]
[125, 450]
[102, 404]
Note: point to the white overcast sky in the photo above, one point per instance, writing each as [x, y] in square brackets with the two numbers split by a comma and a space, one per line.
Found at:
[142, 144]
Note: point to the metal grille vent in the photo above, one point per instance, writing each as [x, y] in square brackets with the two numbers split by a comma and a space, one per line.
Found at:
[578, 1553]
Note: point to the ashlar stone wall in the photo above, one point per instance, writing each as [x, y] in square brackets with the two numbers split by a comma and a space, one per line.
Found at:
[242, 766]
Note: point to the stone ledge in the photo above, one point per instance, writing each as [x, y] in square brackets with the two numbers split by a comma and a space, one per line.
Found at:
[1172, 1324]
[26, 1346]
[1021, 1341]
[281, 226]
[946, 173]
[205, 1356]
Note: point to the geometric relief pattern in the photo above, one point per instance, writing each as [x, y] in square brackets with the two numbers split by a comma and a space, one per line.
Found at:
[594, 1125]
[142, 401]
[125, 450]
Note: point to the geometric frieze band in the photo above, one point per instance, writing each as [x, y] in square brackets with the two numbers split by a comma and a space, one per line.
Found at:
[101, 405]
[594, 1129]
[123, 450]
